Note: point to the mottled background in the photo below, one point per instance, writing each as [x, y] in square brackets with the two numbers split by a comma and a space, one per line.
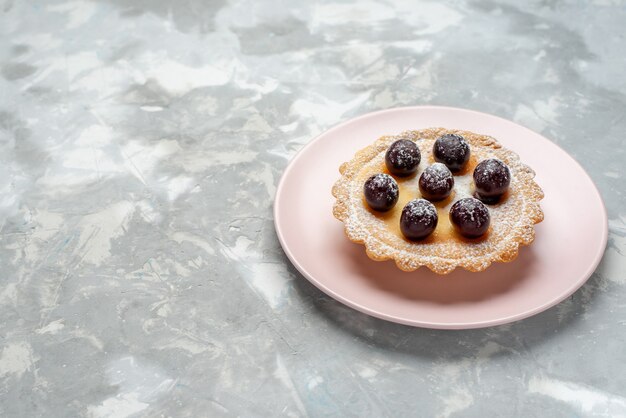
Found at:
[140, 147]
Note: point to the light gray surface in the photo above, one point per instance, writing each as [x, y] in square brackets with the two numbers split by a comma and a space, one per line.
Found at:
[141, 144]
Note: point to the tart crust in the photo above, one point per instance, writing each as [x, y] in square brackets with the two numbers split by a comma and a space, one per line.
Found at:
[512, 219]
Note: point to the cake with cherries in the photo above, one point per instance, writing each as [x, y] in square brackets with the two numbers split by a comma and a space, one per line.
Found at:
[438, 198]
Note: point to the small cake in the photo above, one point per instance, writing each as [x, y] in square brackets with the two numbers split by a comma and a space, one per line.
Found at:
[438, 198]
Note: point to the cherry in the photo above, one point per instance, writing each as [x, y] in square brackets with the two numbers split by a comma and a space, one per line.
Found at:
[402, 158]
[492, 178]
[436, 182]
[470, 217]
[452, 150]
[381, 192]
[419, 219]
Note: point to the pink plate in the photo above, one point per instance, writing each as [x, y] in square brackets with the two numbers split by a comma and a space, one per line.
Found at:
[568, 247]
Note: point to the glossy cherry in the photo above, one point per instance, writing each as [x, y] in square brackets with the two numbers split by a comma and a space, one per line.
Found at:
[402, 158]
[492, 179]
[419, 219]
[381, 192]
[436, 182]
[470, 217]
[451, 150]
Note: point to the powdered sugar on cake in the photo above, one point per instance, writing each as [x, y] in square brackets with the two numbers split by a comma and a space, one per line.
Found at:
[437, 174]
[421, 211]
[404, 157]
[384, 181]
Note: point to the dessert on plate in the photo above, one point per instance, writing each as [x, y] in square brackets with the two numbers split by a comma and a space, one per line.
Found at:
[438, 198]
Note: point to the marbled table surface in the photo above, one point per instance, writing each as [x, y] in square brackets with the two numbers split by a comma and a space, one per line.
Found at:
[141, 145]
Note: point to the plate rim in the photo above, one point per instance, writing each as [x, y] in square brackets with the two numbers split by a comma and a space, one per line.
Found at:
[429, 324]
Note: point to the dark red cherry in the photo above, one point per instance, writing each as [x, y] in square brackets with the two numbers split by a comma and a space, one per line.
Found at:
[451, 150]
[436, 182]
[492, 178]
[470, 217]
[402, 158]
[381, 192]
[419, 219]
